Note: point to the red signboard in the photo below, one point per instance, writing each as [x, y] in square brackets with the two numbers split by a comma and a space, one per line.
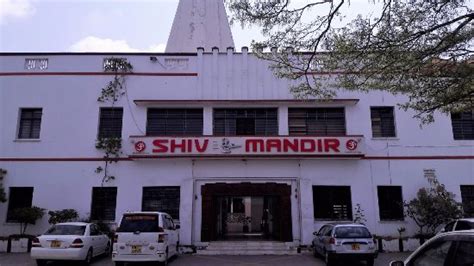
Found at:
[247, 146]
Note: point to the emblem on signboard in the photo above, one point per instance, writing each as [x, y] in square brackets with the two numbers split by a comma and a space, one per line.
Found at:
[351, 144]
[140, 146]
[227, 147]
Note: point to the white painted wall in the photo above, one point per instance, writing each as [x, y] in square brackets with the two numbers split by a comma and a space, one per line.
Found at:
[70, 121]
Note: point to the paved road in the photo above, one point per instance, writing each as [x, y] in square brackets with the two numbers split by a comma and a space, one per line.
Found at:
[196, 260]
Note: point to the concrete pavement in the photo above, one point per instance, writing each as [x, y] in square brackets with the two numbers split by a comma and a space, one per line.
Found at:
[197, 260]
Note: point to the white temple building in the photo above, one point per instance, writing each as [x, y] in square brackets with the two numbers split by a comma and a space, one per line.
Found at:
[212, 137]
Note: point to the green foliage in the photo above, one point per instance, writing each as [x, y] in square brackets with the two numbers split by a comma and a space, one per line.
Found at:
[62, 216]
[112, 148]
[111, 93]
[26, 216]
[421, 49]
[432, 207]
[116, 87]
[3, 196]
[359, 216]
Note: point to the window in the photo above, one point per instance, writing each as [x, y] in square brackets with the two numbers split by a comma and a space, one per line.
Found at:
[317, 121]
[246, 122]
[463, 125]
[174, 122]
[467, 197]
[110, 122]
[332, 202]
[20, 197]
[390, 202]
[383, 122]
[30, 123]
[464, 225]
[433, 255]
[163, 199]
[104, 201]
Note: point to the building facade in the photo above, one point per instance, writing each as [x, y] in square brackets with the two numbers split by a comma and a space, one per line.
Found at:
[219, 142]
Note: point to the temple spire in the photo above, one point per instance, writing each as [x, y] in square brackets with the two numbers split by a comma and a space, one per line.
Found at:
[199, 23]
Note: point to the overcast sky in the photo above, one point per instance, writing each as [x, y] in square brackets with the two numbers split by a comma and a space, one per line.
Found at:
[104, 25]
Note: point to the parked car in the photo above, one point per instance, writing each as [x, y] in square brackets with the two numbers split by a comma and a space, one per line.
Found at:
[336, 241]
[145, 237]
[458, 225]
[70, 241]
[454, 248]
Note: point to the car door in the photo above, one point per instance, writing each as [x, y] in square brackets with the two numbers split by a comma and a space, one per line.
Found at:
[316, 241]
[464, 255]
[322, 238]
[95, 240]
[438, 253]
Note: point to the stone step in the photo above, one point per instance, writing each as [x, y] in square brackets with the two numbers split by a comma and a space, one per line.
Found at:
[247, 248]
[246, 252]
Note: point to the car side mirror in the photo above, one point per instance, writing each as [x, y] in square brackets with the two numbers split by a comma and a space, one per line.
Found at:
[397, 263]
[177, 226]
[442, 230]
[316, 233]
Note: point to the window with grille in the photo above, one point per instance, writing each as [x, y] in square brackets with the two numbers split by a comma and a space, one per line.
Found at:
[163, 199]
[246, 122]
[390, 202]
[174, 122]
[332, 202]
[463, 125]
[104, 202]
[383, 122]
[317, 121]
[110, 122]
[30, 123]
[19, 197]
[467, 197]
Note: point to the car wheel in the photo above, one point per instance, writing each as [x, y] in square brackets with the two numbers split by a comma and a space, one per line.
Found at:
[41, 262]
[370, 262]
[88, 259]
[119, 263]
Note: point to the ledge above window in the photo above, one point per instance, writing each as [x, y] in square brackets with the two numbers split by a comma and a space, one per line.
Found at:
[246, 103]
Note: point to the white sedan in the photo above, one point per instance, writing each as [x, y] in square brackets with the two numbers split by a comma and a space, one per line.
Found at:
[70, 241]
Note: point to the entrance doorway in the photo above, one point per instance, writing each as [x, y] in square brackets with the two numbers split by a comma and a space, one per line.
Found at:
[246, 212]
[247, 218]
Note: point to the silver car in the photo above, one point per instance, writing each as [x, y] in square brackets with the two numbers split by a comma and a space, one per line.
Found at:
[344, 241]
[454, 248]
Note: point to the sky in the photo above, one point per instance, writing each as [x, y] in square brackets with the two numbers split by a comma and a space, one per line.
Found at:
[105, 25]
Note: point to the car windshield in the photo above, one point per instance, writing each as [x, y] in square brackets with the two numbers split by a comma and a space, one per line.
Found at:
[62, 229]
[139, 223]
[352, 232]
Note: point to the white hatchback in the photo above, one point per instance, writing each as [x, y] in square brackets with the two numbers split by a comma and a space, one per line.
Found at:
[145, 237]
[70, 241]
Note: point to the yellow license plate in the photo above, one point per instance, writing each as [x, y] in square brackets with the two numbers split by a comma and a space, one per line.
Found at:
[136, 249]
[55, 244]
[355, 247]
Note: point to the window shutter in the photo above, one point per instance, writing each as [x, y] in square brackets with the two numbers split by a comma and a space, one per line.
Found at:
[110, 122]
[104, 202]
[463, 125]
[174, 122]
[30, 123]
[317, 121]
[383, 122]
[163, 199]
[390, 202]
[235, 122]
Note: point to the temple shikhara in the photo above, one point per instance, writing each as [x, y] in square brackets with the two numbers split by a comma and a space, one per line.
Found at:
[207, 133]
